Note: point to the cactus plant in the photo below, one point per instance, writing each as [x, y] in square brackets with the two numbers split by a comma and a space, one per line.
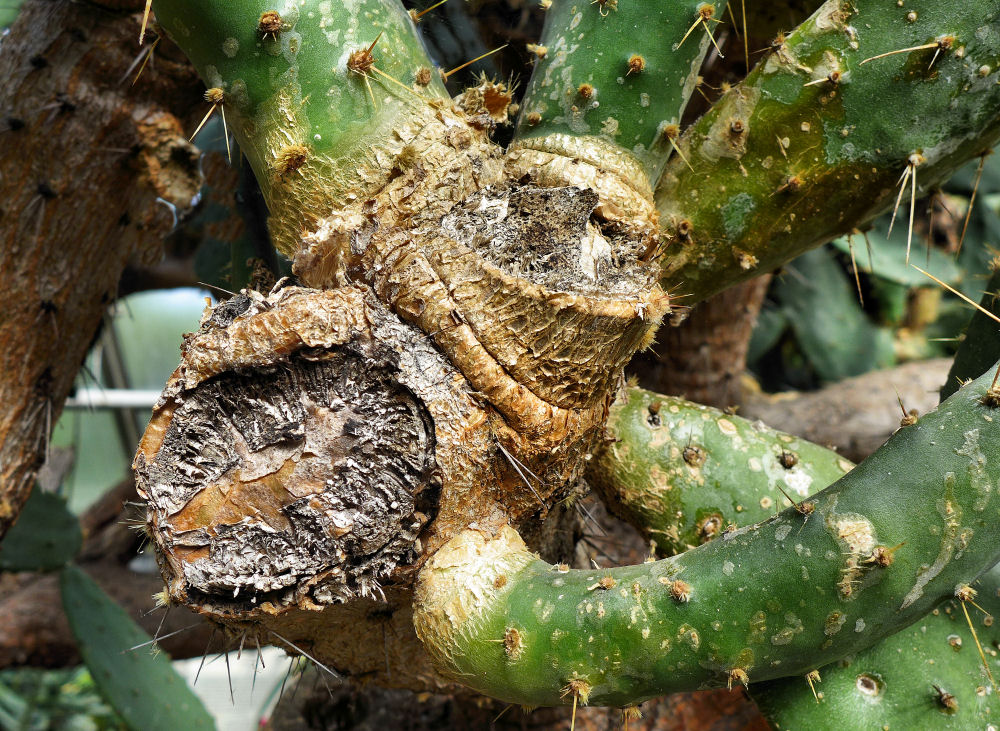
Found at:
[46, 537]
[942, 683]
[365, 449]
[768, 601]
[683, 474]
[142, 687]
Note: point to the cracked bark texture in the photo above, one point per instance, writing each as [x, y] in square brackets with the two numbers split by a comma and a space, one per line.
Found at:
[85, 159]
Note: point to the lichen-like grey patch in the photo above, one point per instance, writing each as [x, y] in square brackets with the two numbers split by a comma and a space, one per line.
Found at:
[312, 475]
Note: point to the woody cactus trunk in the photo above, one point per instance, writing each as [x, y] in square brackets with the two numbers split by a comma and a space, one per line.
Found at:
[349, 467]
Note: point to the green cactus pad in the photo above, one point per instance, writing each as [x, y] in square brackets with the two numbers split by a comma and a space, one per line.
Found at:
[46, 535]
[816, 139]
[929, 676]
[775, 600]
[141, 686]
[617, 73]
[311, 126]
[683, 473]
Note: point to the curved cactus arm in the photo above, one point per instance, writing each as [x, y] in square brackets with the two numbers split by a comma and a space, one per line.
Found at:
[775, 600]
[682, 473]
[313, 92]
[613, 79]
[929, 676]
[824, 133]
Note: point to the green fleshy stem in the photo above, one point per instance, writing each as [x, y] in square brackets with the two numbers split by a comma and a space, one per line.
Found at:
[682, 473]
[314, 129]
[814, 142]
[929, 676]
[777, 599]
[614, 80]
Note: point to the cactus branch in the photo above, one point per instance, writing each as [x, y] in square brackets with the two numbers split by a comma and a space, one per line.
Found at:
[312, 91]
[774, 600]
[683, 473]
[615, 79]
[941, 683]
[813, 143]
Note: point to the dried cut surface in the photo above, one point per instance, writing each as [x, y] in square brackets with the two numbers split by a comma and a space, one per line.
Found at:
[293, 457]
[546, 235]
[307, 469]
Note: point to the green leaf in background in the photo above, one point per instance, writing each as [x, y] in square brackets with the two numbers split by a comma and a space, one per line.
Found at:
[771, 324]
[141, 686]
[8, 12]
[888, 259]
[46, 535]
[833, 331]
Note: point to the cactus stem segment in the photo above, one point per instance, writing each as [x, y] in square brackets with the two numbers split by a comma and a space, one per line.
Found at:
[773, 600]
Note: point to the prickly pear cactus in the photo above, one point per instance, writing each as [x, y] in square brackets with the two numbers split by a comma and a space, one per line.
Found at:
[929, 676]
[141, 686]
[488, 300]
[780, 598]
[683, 473]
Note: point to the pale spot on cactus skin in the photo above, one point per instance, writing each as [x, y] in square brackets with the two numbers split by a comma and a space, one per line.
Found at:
[727, 427]
[951, 515]
[834, 623]
[799, 481]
